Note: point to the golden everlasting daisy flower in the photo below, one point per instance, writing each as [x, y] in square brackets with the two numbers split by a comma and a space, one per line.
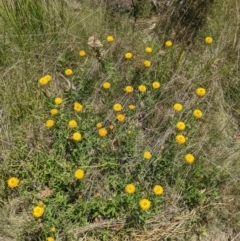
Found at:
[128, 89]
[50, 239]
[99, 125]
[147, 63]
[156, 85]
[177, 107]
[49, 123]
[77, 106]
[79, 174]
[189, 158]
[102, 132]
[53, 229]
[129, 132]
[142, 88]
[147, 155]
[13, 182]
[130, 188]
[131, 107]
[128, 55]
[208, 40]
[68, 72]
[180, 139]
[180, 125]
[76, 136]
[200, 91]
[148, 50]
[158, 189]
[54, 111]
[120, 117]
[106, 85]
[110, 38]
[168, 43]
[43, 81]
[144, 204]
[38, 211]
[117, 107]
[197, 113]
[111, 127]
[82, 53]
[48, 77]
[72, 124]
[58, 101]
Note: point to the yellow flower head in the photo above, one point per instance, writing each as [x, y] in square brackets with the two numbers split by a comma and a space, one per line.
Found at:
[120, 117]
[58, 101]
[129, 89]
[50, 239]
[129, 132]
[117, 107]
[180, 139]
[168, 43]
[53, 229]
[49, 123]
[148, 50]
[99, 125]
[106, 85]
[13, 182]
[82, 53]
[72, 124]
[41, 204]
[76, 136]
[189, 158]
[147, 155]
[128, 55]
[156, 85]
[102, 132]
[130, 188]
[43, 81]
[131, 107]
[79, 174]
[38, 211]
[200, 91]
[142, 88]
[197, 113]
[144, 204]
[158, 189]
[147, 63]
[208, 40]
[177, 107]
[111, 127]
[48, 77]
[77, 106]
[180, 125]
[53, 111]
[110, 38]
[68, 72]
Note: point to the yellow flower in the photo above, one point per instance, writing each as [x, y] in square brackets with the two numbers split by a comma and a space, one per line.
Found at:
[208, 40]
[50, 239]
[43, 81]
[148, 50]
[79, 174]
[197, 113]
[178, 107]
[99, 125]
[82, 53]
[128, 55]
[147, 63]
[106, 85]
[68, 72]
[13, 182]
[200, 91]
[120, 117]
[142, 88]
[189, 158]
[41, 204]
[168, 43]
[76, 136]
[53, 229]
[49, 123]
[38, 211]
[147, 155]
[131, 107]
[158, 189]
[54, 111]
[72, 124]
[130, 188]
[58, 101]
[48, 77]
[102, 132]
[110, 38]
[180, 125]
[111, 127]
[180, 139]
[129, 132]
[117, 107]
[129, 89]
[144, 204]
[156, 85]
[77, 106]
